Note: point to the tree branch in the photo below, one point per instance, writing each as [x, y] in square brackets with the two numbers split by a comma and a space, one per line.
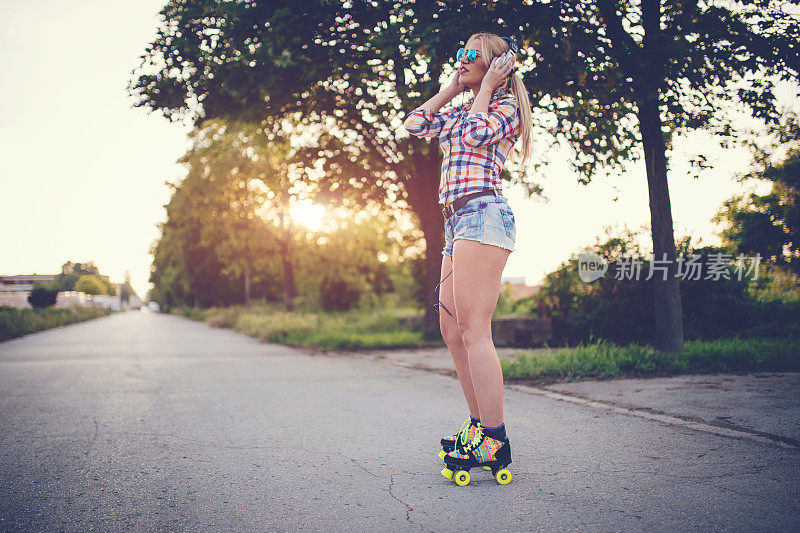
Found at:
[623, 47]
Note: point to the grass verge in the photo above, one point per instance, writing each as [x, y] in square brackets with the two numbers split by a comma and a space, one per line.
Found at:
[349, 330]
[16, 322]
[603, 359]
[383, 328]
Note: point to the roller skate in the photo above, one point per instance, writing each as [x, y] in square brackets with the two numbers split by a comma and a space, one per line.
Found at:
[481, 451]
[462, 438]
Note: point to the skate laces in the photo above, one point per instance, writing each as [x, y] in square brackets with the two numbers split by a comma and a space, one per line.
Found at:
[476, 440]
[461, 436]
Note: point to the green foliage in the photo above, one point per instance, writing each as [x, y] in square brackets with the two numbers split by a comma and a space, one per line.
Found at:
[231, 215]
[17, 322]
[505, 305]
[593, 68]
[769, 224]
[356, 328]
[348, 340]
[195, 313]
[72, 272]
[775, 284]
[621, 310]
[43, 295]
[218, 317]
[604, 359]
[338, 294]
[212, 233]
[90, 284]
[281, 326]
[587, 63]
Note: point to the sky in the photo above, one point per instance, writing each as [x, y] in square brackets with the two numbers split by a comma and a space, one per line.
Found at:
[84, 172]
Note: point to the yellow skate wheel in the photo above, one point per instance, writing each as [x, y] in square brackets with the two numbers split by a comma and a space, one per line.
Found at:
[447, 473]
[462, 478]
[503, 476]
[487, 467]
[441, 455]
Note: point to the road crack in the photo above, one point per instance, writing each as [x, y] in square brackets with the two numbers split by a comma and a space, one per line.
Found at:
[409, 509]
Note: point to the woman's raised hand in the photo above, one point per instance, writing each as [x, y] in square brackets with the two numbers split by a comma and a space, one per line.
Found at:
[454, 88]
[496, 74]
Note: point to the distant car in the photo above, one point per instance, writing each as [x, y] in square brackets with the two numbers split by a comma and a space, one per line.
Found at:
[153, 306]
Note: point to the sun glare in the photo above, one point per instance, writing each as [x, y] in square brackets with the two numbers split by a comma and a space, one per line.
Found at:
[309, 215]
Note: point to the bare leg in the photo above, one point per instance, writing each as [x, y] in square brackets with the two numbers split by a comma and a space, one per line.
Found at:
[477, 270]
[452, 336]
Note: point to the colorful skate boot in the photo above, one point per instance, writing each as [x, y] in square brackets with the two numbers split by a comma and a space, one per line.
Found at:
[481, 451]
[462, 438]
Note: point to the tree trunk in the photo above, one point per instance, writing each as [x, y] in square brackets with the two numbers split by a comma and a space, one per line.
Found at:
[286, 254]
[423, 197]
[288, 272]
[432, 226]
[666, 293]
[247, 286]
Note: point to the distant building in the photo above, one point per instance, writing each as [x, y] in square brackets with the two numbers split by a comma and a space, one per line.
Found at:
[14, 291]
[24, 282]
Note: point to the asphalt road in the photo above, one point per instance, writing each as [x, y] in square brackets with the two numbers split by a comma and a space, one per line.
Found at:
[151, 422]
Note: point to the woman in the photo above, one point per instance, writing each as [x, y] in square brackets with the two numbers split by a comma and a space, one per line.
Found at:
[476, 139]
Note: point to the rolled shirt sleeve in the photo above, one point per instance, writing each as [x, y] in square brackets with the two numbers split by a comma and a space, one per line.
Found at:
[481, 129]
[426, 123]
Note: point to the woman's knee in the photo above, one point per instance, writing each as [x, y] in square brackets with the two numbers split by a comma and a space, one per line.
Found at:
[474, 331]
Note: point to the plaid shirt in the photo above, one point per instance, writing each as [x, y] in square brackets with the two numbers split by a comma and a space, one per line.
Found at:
[474, 147]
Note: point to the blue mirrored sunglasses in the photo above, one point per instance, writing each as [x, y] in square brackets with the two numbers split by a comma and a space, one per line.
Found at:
[471, 55]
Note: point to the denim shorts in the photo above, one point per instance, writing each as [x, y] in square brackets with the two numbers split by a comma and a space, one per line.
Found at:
[486, 219]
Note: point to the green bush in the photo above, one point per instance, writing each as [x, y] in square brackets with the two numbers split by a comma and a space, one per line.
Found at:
[16, 322]
[622, 311]
[90, 284]
[41, 297]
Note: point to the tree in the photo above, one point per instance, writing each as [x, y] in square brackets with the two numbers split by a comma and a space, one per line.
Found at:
[72, 272]
[234, 206]
[255, 184]
[602, 68]
[211, 247]
[339, 70]
[90, 284]
[769, 224]
[664, 66]
[348, 258]
[226, 156]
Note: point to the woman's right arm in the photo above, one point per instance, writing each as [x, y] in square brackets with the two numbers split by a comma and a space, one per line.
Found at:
[426, 120]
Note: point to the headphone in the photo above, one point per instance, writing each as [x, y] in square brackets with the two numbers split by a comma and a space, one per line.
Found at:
[512, 45]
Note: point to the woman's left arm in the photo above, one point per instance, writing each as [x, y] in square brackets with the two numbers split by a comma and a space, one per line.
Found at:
[484, 128]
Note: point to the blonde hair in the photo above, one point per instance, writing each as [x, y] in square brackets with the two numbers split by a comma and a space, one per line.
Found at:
[492, 46]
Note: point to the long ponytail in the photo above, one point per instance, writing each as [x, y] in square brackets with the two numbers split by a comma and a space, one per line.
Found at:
[524, 105]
